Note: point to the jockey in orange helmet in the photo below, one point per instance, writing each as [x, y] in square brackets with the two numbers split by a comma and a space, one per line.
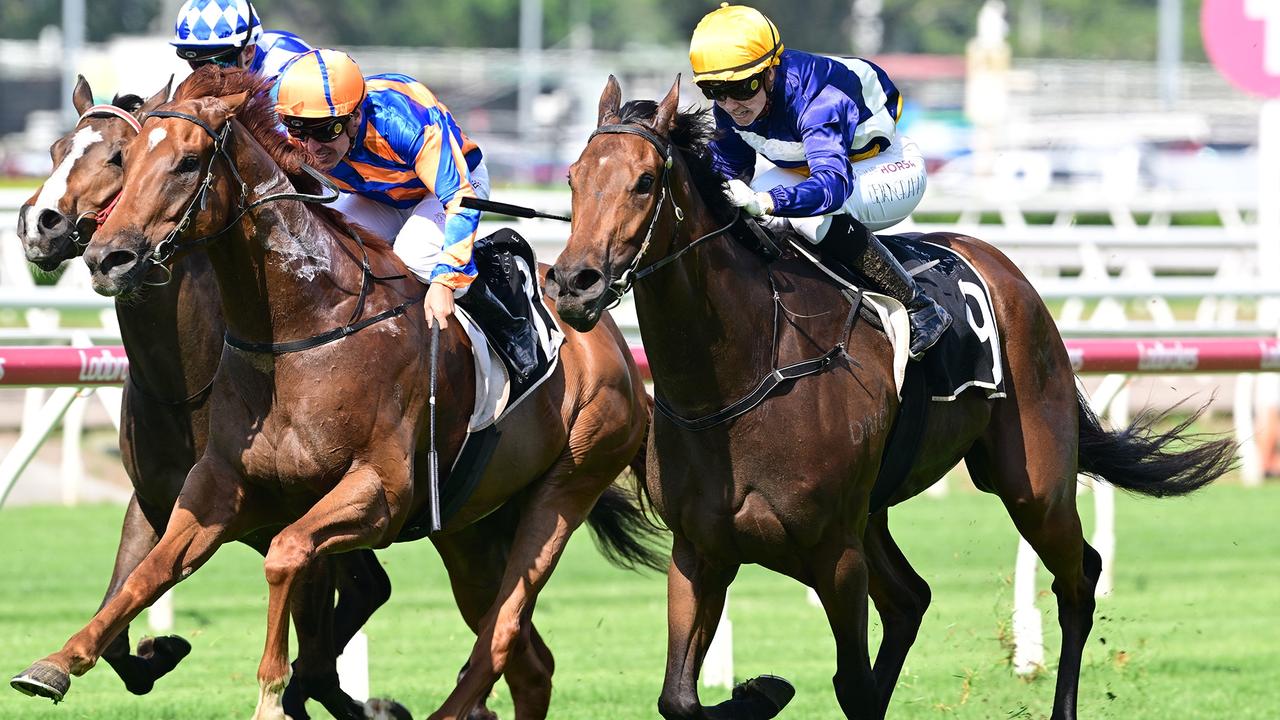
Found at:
[828, 126]
[401, 159]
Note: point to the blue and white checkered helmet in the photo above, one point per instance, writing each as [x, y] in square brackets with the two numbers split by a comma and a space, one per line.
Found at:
[209, 27]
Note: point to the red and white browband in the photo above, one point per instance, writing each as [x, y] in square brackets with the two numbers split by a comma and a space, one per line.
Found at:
[125, 115]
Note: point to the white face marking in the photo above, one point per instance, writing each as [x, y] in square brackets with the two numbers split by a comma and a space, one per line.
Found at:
[56, 186]
[155, 137]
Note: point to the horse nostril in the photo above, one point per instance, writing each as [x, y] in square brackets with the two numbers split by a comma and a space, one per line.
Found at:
[114, 260]
[586, 279]
[51, 220]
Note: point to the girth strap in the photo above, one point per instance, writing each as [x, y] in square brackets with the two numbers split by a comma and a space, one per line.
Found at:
[316, 340]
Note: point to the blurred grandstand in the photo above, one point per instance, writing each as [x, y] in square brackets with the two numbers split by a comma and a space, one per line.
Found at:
[1108, 125]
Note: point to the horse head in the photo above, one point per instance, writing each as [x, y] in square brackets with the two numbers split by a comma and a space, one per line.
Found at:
[623, 210]
[57, 221]
[175, 185]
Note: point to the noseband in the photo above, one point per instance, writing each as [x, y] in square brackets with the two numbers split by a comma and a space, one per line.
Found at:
[620, 285]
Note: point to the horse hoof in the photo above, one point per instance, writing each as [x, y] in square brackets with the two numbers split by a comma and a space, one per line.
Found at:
[163, 653]
[43, 679]
[482, 714]
[759, 698]
[385, 709]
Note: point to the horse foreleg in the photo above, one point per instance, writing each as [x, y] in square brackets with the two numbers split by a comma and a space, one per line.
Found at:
[696, 591]
[841, 573]
[901, 597]
[551, 515]
[156, 656]
[354, 514]
[201, 521]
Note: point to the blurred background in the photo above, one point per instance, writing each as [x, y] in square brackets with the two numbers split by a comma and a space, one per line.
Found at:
[1067, 94]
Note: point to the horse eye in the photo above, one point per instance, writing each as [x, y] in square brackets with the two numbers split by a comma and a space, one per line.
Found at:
[645, 183]
[188, 164]
[116, 159]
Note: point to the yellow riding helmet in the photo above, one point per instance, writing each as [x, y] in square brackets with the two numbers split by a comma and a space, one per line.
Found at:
[319, 84]
[733, 42]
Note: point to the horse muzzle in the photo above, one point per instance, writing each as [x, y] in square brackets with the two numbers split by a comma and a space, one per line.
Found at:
[579, 294]
[114, 270]
[49, 240]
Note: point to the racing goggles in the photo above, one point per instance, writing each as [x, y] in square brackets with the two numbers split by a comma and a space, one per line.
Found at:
[324, 130]
[222, 58]
[740, 90]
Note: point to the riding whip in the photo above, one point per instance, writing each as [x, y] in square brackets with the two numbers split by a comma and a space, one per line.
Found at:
[505, 209]
[433, 463]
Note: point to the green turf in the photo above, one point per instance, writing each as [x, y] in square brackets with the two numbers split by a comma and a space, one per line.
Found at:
[1189, 633]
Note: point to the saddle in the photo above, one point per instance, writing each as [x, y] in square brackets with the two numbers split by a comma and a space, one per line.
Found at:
[499, 304]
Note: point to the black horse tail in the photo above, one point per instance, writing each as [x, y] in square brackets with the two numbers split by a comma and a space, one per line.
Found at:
[624, 530]
[1145, 461]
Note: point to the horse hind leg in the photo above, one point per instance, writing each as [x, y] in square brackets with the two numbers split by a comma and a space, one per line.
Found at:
[1024, 458]
[901, 597]
[475, 558]
[558, 504]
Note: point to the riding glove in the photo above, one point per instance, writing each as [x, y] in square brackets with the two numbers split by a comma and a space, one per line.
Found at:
[752, 203]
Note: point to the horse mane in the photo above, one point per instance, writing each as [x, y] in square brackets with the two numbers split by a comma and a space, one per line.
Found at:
[691, 136]
[129, 102]
[259, 118]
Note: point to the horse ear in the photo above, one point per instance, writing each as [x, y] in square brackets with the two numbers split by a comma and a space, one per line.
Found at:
[158, 99]
[82, 96]
[233, 102]
[610, 101]
[664, 118]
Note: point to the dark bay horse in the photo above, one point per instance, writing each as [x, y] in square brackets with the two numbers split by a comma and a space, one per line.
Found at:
[173, 335]
[318, 447]
[787, 485]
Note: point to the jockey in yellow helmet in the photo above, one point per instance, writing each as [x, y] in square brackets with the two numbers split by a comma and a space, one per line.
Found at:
[400, 158]
[828, 126]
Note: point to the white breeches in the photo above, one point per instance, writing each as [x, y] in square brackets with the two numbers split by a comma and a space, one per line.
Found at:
[886, 189]
[416, 233]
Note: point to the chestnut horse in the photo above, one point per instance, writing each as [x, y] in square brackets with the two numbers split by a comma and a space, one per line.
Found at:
[315, 447]
[165, 408]
[787, 485]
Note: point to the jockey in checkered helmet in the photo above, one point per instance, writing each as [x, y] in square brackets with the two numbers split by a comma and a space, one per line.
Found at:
[218, 31]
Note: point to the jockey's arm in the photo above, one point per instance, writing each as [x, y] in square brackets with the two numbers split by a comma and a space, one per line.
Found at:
[830, 178]
[444, 257]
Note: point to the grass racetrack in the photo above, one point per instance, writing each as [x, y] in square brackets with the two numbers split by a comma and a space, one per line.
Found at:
[1191, 631]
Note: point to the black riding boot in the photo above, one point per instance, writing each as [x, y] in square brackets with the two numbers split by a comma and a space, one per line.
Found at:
[850, 242]
[513, 336]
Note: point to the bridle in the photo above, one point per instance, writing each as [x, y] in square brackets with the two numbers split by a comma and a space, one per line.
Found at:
[633, 273]
[777, 376]
[170, 245]
[100, 216]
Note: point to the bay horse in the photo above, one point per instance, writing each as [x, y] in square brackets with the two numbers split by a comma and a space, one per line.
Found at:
[787, 484]
[318, 447]
[164, 415]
